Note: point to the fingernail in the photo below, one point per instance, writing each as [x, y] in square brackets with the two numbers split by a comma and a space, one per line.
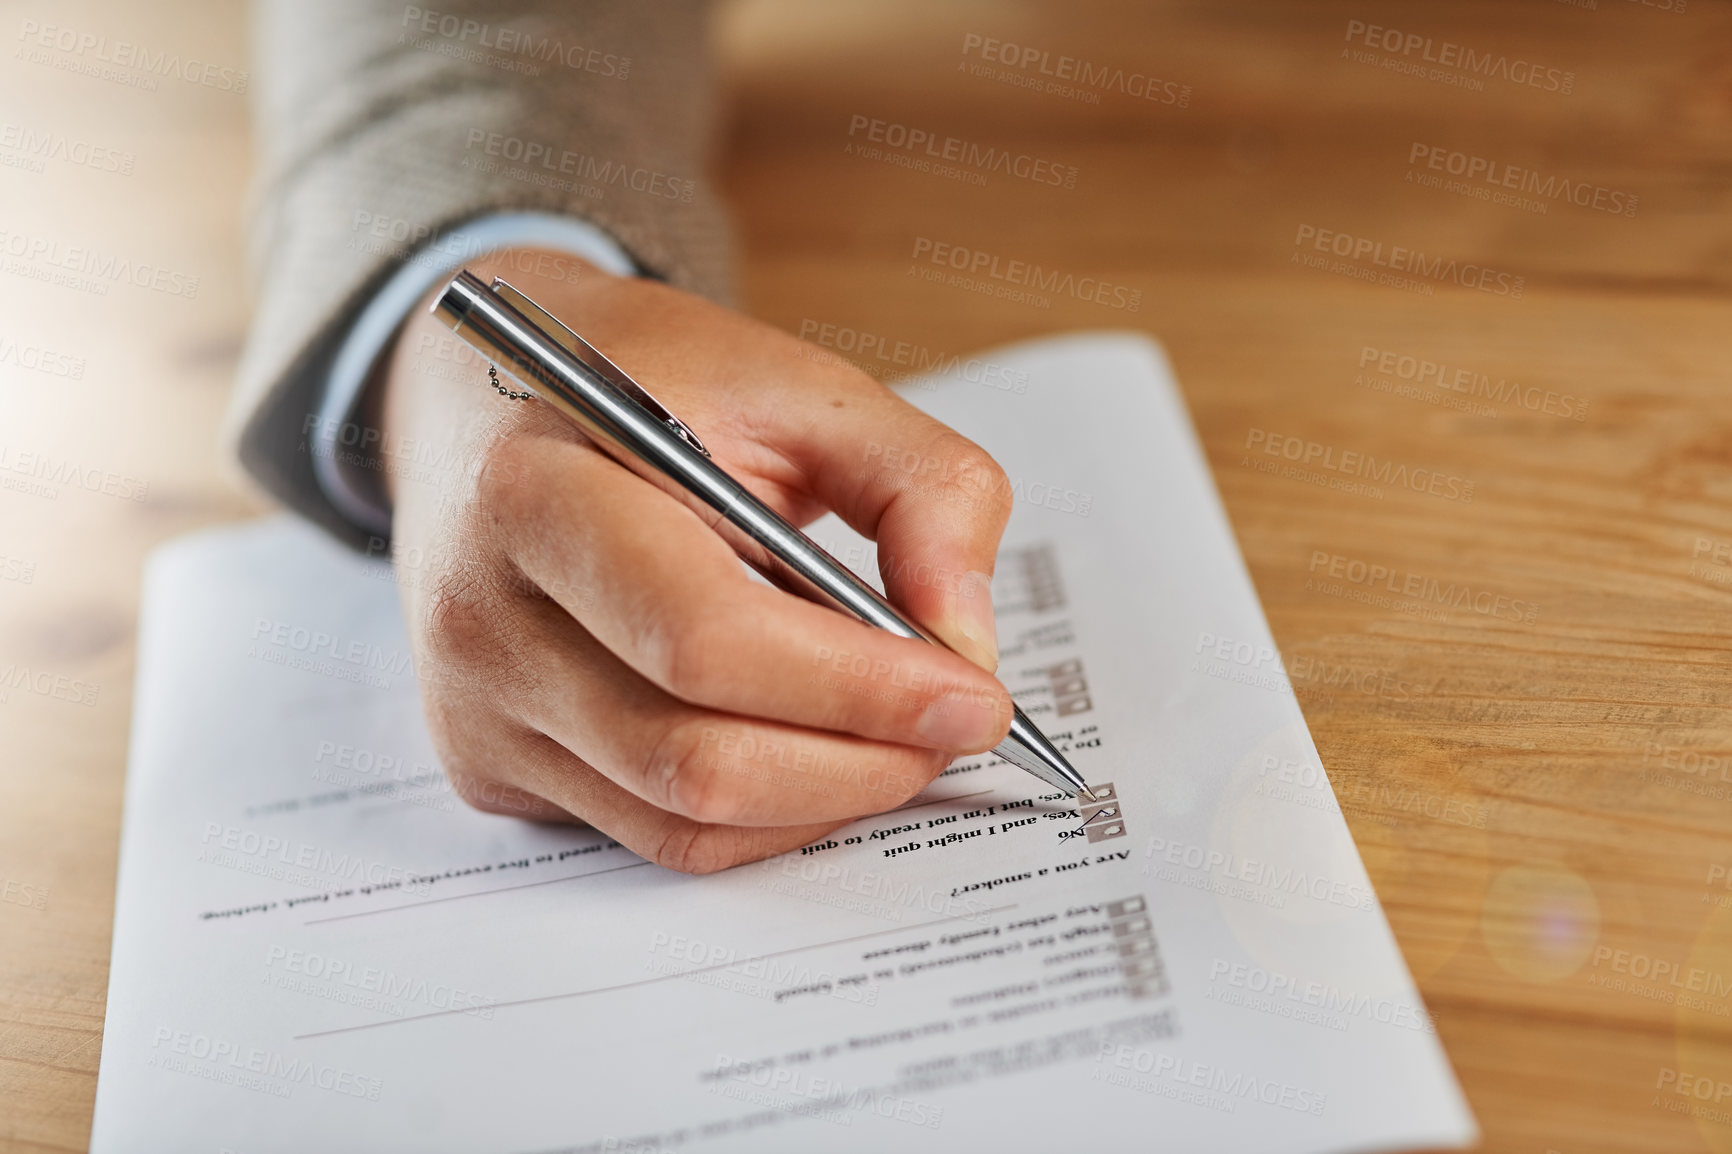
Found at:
[974, 619]
[964, 722]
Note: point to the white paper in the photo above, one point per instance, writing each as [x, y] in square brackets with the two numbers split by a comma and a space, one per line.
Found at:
[318, 946]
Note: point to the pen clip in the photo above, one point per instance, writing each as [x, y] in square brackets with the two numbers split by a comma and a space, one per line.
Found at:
[557, 332]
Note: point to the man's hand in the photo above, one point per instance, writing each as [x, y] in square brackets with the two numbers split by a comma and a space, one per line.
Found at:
[589, 649]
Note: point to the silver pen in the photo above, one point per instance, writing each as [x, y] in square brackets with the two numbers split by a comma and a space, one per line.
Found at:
[633, 428]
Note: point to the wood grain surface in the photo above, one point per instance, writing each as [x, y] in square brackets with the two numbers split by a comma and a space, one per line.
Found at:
[1509, 632]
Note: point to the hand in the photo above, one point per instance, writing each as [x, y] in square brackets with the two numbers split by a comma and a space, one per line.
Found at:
[589, 649]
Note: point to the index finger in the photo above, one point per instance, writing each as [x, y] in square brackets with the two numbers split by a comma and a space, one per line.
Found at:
[934, 501]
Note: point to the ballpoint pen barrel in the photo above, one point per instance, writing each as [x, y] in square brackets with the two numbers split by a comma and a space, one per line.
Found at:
[653, 451]
[656, 450]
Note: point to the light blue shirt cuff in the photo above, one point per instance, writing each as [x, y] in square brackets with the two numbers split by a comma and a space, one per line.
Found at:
[345, 470]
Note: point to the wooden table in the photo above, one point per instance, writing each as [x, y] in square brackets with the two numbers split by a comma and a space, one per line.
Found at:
[1521, 697]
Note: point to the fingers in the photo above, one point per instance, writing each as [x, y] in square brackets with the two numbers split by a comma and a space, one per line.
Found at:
[666, 595]
[712, 768]
[667, 839]
[935, 502]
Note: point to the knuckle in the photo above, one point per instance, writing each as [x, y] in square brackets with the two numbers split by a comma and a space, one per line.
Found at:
[499, 471]
[683, 779]
[691, 848]
[452, 620]
[685, 654]
[463, 641]
[974, 477]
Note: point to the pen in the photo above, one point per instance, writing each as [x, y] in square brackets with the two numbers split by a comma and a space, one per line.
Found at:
[633, 428]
